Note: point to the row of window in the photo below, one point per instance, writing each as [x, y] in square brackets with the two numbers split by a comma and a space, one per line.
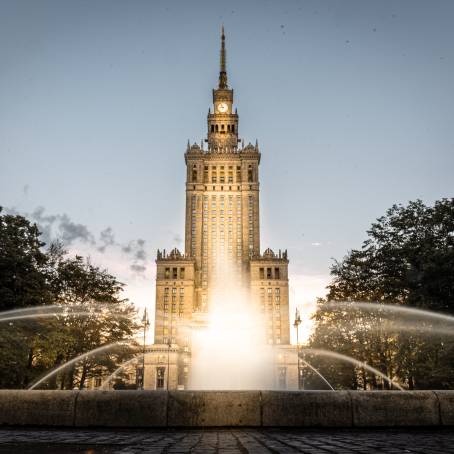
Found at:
[223, 174]
[174, 273]
[222, 128]
[270, 273]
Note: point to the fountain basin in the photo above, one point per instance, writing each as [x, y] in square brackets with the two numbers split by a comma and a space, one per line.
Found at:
[227, 408]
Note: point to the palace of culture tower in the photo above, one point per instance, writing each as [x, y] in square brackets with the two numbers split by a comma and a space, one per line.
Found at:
[222, 238]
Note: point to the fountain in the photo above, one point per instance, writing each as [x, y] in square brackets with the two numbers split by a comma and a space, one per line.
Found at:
[229, 351]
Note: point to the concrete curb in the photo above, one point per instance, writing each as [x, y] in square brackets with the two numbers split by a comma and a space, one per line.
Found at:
[41, 408]
[227, 408]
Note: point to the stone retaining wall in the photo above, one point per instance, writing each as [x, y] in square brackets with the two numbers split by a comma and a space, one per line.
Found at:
[227, 408]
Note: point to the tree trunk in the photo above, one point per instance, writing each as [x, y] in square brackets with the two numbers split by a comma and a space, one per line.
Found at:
[29, 367]
[53, 379]
[84, 375]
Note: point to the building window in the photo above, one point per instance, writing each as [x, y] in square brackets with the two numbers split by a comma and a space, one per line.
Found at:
[268, 273]
[167, 273]
[262, 273]
[194, 172]
[160, 374]
[249, 173]
[182, 273]
[282, 377]
[277, 273]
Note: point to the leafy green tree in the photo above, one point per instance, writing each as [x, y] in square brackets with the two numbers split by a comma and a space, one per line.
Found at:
[22, 264]
[89, 312]
[408, 259]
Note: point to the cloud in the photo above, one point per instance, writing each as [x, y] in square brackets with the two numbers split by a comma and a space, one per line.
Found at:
[136, 249]
[60, 227]
[106, 238]
[316, 244]
[25, 189]
[138, 268]
[71, 231]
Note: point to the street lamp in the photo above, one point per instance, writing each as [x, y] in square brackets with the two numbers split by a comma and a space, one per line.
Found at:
[146, 324]
[296, 324]
[169, 345]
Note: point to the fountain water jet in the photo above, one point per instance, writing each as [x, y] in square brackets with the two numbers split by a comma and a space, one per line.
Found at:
[229, 350]
[55, 308]
[74, 360]
[329, 353]
[314, 369]
[390, 307]
[116, 371]
[46, 315]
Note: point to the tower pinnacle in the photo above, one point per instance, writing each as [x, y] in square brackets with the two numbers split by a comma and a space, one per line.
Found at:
[223, 71]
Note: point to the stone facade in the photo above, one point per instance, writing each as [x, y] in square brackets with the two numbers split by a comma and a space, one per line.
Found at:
[222, 240]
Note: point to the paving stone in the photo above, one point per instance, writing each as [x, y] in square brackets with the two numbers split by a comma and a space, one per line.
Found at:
[227, 441]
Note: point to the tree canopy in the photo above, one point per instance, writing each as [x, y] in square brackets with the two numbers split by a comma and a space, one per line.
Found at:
[85, 301]
[407, 260]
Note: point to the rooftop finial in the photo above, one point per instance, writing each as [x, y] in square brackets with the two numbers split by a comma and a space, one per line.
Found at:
[223, 71]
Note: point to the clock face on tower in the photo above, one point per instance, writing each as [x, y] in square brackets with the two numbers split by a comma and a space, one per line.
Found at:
[222, 107]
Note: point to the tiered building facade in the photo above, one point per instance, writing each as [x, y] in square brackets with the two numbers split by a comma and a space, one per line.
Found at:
[222, 237]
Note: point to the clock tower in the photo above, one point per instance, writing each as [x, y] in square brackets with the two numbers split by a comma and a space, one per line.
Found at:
[222, 250]
[223, 122]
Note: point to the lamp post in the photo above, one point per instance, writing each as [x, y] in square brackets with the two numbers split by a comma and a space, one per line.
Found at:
[146, 324]
[169, 345]
[296, 324]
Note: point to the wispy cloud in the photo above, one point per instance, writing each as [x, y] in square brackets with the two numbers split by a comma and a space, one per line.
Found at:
[60, 227]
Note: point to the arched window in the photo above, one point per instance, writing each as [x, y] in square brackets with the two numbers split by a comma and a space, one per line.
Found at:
[194, 172]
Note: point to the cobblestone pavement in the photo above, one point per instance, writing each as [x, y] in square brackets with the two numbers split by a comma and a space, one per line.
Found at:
[225, 441]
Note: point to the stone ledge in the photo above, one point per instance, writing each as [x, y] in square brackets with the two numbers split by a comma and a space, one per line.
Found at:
[214, 408]
[306, 409]
[394, 408]
[446, 400]
[121, 409]
[227, 408]
[37, 408]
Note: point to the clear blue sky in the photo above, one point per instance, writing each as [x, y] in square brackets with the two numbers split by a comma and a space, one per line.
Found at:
[352, 103]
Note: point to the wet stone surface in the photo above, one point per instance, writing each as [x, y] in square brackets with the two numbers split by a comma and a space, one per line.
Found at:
[226, 441]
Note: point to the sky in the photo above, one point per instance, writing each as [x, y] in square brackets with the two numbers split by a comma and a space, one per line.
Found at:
[352, 104]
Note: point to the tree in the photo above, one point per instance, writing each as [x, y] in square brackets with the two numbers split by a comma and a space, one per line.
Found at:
[408, 259]
[90, 311]
[22, 264]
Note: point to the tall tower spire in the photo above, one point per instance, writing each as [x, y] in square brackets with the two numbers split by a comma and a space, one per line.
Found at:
[223, 71]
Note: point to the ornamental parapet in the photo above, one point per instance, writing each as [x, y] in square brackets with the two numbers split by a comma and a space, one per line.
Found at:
[196, 150]
[269, 254]
[174, 255]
